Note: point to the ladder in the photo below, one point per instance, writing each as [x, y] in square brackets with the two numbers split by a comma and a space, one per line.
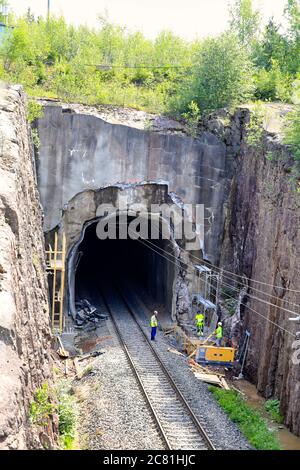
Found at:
[55, 265]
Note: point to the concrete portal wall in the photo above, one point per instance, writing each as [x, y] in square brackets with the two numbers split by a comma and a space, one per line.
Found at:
[81, 152]
[82, 211]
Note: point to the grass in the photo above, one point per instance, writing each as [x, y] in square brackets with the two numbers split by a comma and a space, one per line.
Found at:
[250, 422]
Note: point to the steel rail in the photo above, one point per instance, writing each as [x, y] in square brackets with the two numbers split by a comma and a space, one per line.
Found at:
[166, 373]
[149, 404]
[176, 389]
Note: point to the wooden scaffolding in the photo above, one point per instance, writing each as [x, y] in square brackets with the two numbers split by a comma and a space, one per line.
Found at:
[55, 262]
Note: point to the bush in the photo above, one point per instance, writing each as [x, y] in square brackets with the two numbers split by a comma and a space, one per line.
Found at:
[112, 65]
[41, 408]
[292, 138]
[249, 421]
[34, 111]
[255, 128]
[192, 118]
[68, 413]
[273, 407]
[273, 84]
[222, 76]
[292, 131]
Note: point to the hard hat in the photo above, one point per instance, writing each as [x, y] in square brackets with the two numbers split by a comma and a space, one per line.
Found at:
[155, 312]
[220, 323]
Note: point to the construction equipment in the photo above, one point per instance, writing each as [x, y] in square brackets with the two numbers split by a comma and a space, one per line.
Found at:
[215, 355]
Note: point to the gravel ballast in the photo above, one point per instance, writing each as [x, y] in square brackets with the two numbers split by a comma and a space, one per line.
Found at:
[224, 434]
[113, 413]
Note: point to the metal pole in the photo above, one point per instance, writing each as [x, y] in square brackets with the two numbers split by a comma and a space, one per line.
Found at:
[219, 282]
[48, 10]
[241, 376]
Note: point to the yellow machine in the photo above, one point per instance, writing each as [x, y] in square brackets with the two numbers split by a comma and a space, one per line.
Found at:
[215, 355]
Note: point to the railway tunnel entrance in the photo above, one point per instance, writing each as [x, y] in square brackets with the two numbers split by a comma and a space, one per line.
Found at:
[145, 268]
[154, 266]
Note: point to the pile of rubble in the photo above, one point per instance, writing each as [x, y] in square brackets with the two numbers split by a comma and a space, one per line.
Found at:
[86, 313]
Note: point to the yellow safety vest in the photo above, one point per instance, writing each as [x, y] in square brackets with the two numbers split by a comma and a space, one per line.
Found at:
[153, 321]
[199, 318]
[219, 332]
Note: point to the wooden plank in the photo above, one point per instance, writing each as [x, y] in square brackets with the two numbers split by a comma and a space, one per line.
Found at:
[174, 351]
[77, 368]
[167, 332]
[192, 354]
[224, 383]
[209, 378]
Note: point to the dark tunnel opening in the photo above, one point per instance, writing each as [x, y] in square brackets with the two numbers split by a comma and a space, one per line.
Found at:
[139, 265]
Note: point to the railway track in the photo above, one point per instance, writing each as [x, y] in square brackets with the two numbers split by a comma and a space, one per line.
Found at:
[175, 420]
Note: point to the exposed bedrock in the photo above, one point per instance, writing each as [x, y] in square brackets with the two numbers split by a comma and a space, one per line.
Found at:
[262, 242]
[24, 315]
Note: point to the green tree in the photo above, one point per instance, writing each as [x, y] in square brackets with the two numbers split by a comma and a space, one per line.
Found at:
[3, 10]
[292, 12]
[223, 76]
[272, 46]
[245, 21]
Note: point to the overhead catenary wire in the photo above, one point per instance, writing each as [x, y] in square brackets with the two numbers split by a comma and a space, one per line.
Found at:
[210, 265]
[141, 66]
[249, 295]
[243, 277]
[258, 313]
[227, 295]
[260, 300]
[243, 285]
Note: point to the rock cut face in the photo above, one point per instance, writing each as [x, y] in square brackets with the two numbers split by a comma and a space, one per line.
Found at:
[24, 316]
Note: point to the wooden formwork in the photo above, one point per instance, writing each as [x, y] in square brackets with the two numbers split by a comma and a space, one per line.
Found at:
[188, 345]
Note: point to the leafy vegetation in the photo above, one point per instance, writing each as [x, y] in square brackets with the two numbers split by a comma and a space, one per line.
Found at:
[249, 421]
[34, 111]
[3, 4]
[255, 128]
[112, 65]
[292, 131]
[68, 413]
[292, 138]
[42, 408]
[273, 407]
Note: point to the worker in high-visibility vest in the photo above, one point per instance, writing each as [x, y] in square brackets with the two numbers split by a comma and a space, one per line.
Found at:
[219, 334]
[153, 324]
[199, 320]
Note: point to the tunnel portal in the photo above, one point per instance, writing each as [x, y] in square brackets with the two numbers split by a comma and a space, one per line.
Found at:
[142, 266]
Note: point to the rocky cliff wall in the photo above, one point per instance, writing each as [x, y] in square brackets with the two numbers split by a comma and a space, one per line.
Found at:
[262, 242]
[24, 316]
